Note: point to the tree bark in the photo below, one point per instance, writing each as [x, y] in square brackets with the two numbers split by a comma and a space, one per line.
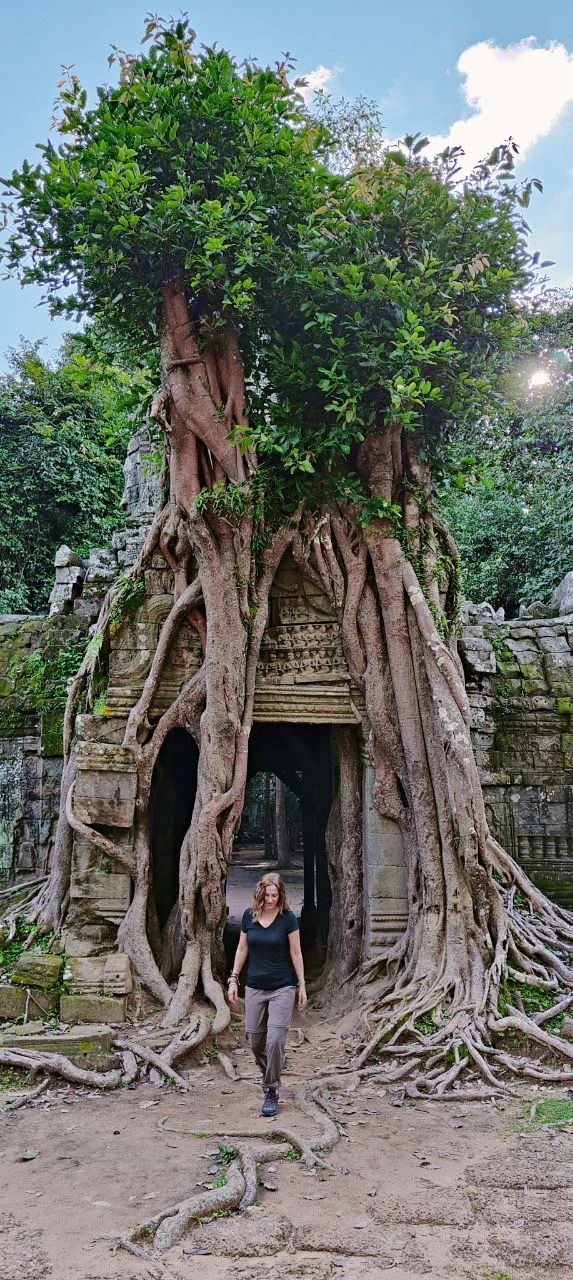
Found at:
[344, 850]
[281, 830]
[465, 934]
[268, 818]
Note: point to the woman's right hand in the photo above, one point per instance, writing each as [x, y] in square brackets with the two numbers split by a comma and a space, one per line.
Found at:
[233, 993]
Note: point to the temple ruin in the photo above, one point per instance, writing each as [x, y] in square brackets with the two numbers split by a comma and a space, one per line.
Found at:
[519, 676]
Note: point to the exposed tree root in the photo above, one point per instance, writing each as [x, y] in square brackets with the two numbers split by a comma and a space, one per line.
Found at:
[196, 1030]
[26, 1097]
[167, 1227]
[131, 1052]
[25, 891]
[225, 1062]
[439, 998]
[56, 1064]
[123, 857]
[154, 1059]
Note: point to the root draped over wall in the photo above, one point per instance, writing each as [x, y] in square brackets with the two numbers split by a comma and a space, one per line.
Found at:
[448, 988]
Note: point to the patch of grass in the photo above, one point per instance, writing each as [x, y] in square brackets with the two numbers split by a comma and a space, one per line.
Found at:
[554, 1024]
[293, 1155]
[550, 1111]
[11, 951]
[10, 1078]
[534, 1001]
[225, 1154]
[219, 1181]
[425, 1025]
[495, 1275]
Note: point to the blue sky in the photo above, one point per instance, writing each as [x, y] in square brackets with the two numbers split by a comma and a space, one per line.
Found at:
[462, 71]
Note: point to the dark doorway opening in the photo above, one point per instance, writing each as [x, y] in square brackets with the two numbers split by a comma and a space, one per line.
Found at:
[171, 806]
[299, 755]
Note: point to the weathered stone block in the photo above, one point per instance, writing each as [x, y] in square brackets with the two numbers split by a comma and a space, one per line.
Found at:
[87, 1046]
[86, 971]
[36, 969]
[477, 655]
[389, 882]
[117, 975]
[562, 597]
[92, 939]
[92, 1008]
[106, 785]
[102, 565]
[553, 643]
[65, 556]
[12, 1002]
[107, 729]
[69, 576]
[567, 1029]
[105, 892]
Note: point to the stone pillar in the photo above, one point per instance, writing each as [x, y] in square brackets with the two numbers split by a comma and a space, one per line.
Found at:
[385, 876]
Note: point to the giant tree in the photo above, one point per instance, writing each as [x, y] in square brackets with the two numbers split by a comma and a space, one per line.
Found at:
[316, 335]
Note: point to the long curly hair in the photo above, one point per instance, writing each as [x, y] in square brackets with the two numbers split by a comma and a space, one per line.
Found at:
[259, 895]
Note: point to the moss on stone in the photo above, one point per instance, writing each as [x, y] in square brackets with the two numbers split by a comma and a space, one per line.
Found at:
[37, 658]
[52, 733]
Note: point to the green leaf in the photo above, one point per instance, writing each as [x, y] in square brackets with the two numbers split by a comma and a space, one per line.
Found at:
[398, 157]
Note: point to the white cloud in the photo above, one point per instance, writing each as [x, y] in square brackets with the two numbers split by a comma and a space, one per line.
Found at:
[319, 78]
[519, 90]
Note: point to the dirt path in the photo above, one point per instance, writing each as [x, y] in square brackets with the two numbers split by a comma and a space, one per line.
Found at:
[446, 1190]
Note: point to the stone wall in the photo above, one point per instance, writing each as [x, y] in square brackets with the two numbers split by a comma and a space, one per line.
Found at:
[30, 758]
[519, 677]
[31, 740]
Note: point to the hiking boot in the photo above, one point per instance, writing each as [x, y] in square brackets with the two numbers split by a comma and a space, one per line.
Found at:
[271, 1103]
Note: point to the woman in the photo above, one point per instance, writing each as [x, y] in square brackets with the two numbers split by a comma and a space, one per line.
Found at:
[270, 939]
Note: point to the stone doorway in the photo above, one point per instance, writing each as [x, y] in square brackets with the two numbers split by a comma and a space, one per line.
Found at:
[171, 805]
[300, 756]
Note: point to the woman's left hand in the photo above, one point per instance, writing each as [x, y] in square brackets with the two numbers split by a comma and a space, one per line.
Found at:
[302, 998]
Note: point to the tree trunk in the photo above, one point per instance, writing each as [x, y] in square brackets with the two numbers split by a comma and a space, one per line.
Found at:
[344, 851]
[270, 851]
[281, 830]
[466, 935]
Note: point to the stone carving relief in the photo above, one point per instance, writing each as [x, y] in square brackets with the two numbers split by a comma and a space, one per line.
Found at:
[142, 486]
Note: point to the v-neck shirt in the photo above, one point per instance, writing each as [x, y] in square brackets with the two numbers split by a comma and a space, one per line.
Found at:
[269, 962]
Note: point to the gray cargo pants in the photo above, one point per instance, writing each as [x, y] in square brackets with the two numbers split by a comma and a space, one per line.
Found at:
[268, 1015]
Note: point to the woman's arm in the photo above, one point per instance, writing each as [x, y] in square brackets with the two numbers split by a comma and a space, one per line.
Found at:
[240, 957]
[298, 962]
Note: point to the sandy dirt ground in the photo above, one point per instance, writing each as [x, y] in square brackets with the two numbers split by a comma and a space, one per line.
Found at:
[413, 1189]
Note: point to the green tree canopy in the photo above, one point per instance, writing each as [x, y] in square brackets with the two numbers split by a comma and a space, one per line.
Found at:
[386, 291]
[508, 498]
[63, 431]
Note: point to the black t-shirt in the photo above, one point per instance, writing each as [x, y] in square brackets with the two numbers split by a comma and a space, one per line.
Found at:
[270, 965]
